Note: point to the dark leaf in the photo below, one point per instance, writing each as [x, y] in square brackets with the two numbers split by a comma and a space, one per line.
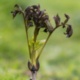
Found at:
[57, 20]
[69, 31]
[66, 20]
[41, 13]
[14, 13]
[45, 17]
[36, 7]
[67, 17]
[49, 27]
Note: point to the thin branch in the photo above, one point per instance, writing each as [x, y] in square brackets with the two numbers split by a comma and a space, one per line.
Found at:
[43, 46]
[26, 29]
[33, 76]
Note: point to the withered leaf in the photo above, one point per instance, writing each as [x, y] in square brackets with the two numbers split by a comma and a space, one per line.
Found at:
[66, 20]
[69, 31]
[14, 13]
[66, 16]
[57, 20]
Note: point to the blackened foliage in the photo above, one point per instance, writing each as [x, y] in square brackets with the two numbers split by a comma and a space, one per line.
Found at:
[65, 21]
[16, 11]
[33, 13]
[64, 24]
[57, 20]
[69, 31]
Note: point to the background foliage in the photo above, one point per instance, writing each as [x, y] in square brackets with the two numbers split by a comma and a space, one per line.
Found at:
[60, 59]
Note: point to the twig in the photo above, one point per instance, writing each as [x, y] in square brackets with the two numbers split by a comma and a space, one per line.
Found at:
[33, 75]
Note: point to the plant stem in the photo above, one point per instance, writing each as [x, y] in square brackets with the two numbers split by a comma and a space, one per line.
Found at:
[36, 32]
[44, 46]
[33, 76]
[26, 29]
[46, 41]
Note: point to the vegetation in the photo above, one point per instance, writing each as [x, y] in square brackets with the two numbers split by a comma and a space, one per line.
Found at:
[60, 58]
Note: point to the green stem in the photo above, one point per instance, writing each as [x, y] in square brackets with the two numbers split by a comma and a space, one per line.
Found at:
[44, 45]
[36, 31]
[26, 29]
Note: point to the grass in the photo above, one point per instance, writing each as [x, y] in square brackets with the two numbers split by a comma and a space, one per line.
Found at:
[61, 57]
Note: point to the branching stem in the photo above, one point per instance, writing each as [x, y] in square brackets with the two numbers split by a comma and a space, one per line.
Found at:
[43, 46]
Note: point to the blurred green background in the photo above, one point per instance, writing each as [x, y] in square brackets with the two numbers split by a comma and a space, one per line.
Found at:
[60, 59]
